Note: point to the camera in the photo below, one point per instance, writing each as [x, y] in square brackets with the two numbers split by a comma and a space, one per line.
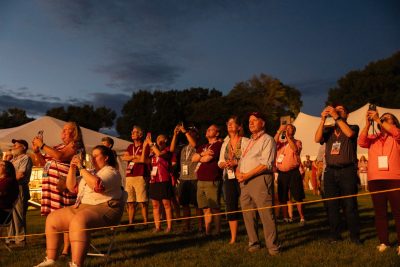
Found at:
[283, 134]
[372, 107]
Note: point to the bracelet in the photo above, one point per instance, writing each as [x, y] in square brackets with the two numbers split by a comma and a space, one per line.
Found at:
[41, 148]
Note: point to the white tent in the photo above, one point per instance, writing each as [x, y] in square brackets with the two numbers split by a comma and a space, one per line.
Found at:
[306, 125]
[52, 131]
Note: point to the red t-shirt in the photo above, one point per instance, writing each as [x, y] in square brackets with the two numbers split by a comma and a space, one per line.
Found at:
[209, 171]
[136, 169]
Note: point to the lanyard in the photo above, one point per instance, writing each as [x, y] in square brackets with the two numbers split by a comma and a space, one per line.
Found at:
[188, 151]
[252, 143]
[137, 150]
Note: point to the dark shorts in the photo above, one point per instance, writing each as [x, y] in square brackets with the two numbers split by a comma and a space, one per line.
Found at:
[187, 192]
[292, 182]
[160, 191]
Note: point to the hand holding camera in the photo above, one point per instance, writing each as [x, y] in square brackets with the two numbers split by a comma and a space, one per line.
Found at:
[372, 114]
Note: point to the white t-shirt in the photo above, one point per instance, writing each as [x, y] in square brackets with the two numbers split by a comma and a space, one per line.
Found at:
[112, 182]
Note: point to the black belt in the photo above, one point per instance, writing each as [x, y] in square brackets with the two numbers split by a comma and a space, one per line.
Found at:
[341, 166]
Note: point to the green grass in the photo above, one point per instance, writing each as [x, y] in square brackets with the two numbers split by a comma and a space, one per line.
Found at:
[302, 246]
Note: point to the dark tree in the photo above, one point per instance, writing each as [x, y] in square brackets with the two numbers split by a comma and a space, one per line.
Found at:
[13, 117]
[86, 116]
[377, 83]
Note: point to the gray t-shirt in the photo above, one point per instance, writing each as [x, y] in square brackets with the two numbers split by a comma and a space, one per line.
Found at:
[187, 166]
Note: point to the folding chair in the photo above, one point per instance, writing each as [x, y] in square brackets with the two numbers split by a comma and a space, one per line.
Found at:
[94, 252]
[5, 225]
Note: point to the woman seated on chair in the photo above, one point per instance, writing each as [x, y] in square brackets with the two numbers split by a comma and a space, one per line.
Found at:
[99, 203]
[8, 189]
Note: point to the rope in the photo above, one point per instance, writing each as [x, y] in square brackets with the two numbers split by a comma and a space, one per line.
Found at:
[214, 214]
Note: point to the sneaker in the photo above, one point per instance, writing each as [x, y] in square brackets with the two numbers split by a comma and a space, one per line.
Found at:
[46, 262]
[382, 247]
[287, 220]
[255, 248]
[156, 230]
[273, 252]
[302, 222]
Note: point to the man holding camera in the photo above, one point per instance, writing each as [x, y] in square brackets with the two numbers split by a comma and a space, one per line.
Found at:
[340, 177]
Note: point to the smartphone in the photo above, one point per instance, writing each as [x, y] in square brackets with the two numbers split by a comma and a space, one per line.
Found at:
[40, 134]
[372, 107]
[79, 153]
[148, 135]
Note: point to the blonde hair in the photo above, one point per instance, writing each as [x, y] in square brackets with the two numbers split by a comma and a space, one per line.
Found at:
[77, 137]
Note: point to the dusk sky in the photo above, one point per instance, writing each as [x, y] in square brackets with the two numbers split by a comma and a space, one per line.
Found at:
[59, 52]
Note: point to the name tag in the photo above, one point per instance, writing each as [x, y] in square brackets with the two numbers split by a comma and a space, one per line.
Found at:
[280, 158]
[231, 174]
[46, 169]
[185, 169]
[335, 148]
[131, 164]
[154, 171]
[383, 163]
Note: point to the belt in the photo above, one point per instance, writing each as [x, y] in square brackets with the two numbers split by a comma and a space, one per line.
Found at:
[341, 166]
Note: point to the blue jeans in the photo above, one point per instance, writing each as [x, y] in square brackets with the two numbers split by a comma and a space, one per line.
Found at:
[341, 182]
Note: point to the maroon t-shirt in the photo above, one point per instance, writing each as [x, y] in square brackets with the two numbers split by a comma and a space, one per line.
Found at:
[136, 169]
[209, 171]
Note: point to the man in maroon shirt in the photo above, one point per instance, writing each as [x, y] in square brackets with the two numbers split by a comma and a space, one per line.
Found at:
[209, 178]
[136, 172]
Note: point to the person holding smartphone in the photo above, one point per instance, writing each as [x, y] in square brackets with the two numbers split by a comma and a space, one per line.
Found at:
[383, 171]
[136, 174]
[340, 177]
[56, 162]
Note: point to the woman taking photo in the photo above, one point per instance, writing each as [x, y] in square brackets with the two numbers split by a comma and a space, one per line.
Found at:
[383, 171]
[160, 189]
[229, 156]
[56, 165]
[99, 203]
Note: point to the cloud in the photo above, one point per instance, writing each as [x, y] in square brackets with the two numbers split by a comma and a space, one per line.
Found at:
[113, 101]
[142, 70]
[37, 104]
[314, 87]
[142, 38]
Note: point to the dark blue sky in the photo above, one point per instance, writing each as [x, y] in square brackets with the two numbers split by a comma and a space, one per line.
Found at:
[99, 52]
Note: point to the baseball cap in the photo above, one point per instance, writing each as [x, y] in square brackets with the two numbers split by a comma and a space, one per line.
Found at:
[22, 142]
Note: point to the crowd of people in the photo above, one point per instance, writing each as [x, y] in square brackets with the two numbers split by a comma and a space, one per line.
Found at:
[249, 173]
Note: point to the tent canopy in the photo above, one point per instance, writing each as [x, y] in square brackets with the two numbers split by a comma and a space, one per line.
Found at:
[52, 134]
[306, 126]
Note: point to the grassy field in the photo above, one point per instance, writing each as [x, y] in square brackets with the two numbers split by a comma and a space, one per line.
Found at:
[301, 246]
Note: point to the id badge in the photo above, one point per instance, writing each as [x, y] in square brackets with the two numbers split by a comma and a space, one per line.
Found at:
[130, 166]
[383, 163]
[46, 169]
[154, 171]
[231, 174]
[280, 158]
[335, 148]
[185, 169]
